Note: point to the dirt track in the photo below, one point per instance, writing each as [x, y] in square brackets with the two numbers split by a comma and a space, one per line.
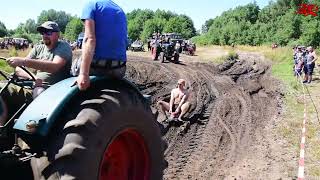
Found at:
[234, 107]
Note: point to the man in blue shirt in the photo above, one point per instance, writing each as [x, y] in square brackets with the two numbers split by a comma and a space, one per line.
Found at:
[105, 40]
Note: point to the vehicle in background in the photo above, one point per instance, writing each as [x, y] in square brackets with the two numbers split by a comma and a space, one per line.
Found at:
[137, 45]
[80, 40]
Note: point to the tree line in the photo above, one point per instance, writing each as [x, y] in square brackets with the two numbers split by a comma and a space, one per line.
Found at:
[70, 26]
[141, 25]
[278, 22]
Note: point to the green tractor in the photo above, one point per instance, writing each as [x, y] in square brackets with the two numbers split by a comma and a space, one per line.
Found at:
[169, 52]
[106, 132]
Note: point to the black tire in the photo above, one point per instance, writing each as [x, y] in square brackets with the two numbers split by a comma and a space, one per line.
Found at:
[176, 58]
[162, 57]
[76, 147]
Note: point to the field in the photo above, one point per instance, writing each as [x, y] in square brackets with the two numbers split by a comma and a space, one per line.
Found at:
[246, 118]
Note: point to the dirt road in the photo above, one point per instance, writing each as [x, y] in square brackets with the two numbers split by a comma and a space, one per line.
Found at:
[230, 132]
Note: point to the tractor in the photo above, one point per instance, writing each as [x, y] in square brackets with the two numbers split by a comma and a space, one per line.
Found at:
[106, 132]
[189, 49]
[169, 52]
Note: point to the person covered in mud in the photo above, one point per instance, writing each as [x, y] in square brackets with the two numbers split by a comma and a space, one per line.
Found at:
[52, 62]
[311, 58]
[104, 44]
[179, 104]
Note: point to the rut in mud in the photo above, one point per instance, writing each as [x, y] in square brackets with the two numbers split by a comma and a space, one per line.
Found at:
[230, 102]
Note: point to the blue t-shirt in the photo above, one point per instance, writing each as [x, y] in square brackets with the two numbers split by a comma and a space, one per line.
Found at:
[110, 27]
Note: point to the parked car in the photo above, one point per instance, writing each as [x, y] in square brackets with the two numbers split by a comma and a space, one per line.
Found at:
[137, 46]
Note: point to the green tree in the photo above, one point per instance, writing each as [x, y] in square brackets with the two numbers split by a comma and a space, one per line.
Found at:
[20, 29]
[134, 29]
[3, 30]
[30, 26]
[142, 23]
[310, 32]
[59, 17]
[10, 32]
[206, 26]
[277, 22]
[181, 24]
[151, 26]
[161, 14]
[73, 28]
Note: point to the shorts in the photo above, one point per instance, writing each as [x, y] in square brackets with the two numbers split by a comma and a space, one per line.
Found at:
[310, 68]
[305, 69]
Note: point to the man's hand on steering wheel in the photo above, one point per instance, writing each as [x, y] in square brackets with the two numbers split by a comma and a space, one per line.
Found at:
[16, 61]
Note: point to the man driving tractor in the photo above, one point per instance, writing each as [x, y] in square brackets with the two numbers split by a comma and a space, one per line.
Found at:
[52, 62]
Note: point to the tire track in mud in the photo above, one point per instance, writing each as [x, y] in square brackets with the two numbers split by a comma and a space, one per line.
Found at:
[209, 147]
[202, 100]
[222, 119]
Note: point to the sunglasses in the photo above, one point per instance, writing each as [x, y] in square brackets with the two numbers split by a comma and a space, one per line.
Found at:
[47, 33]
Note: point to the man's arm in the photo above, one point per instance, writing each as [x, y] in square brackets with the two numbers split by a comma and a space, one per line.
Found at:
[48, 66]
[171, 101]
[183, 100]
[315, 57]
[88, 48]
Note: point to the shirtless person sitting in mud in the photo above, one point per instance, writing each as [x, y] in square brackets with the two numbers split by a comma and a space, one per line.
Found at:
[179, 104]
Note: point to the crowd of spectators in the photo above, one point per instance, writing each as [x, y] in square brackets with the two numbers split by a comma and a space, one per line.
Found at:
[304, 59]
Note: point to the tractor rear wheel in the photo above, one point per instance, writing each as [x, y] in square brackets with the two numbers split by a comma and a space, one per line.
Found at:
[176, 58]
[111, 135]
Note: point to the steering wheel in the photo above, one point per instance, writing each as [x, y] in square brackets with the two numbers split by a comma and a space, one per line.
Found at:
[13, 78]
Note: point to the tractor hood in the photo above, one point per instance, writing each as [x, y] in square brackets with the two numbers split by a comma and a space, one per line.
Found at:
[167, 45]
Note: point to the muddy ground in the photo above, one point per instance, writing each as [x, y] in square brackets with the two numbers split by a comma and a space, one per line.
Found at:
[230, 130]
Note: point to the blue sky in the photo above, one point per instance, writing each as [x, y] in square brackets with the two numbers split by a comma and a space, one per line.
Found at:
[14, 12]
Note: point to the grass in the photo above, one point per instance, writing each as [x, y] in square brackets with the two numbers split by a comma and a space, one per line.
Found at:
[217, 54]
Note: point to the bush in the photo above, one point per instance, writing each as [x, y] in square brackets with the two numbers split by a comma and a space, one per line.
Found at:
[233, 55]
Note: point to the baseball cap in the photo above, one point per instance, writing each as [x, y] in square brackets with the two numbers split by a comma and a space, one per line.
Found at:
[48, 26]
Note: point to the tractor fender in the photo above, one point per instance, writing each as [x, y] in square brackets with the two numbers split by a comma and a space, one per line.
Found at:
[42, 112]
